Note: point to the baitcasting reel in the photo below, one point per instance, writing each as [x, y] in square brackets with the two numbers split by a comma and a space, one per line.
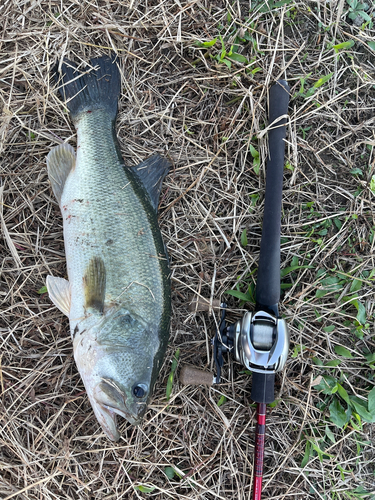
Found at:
[259, 341]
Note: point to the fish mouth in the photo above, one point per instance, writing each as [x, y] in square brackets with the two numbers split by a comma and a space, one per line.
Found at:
[108, 401]
[107, 417]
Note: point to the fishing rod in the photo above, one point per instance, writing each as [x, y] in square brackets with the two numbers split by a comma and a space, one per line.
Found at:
[260, 339]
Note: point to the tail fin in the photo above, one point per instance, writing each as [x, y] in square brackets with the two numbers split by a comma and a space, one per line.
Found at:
[85, 90]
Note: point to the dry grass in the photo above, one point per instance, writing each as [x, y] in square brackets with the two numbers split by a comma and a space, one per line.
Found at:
[203, 115]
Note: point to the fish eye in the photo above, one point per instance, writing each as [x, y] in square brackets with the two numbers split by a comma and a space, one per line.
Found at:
[140, 390]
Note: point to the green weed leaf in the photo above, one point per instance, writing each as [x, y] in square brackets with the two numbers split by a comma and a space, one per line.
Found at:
[322, 292]
[330, 435]
[328, 385]
[317, 362]
[360, 492]
[342, 392]
[294, 261]
[285, 286]
[343, 45]
[337, 414]
[333, 363]
[238, 57]
[337, 223]
[322, 80]
[329, 285]
[364, 15]
[170, 472]
[372, 184]
[254, 152]
[256, 165]
[359, 407]
[256, 159]
[145, 489]
[371, 45]
[361, 316]
[297, 349]
[331, 280]
[356, 286]
[290, 269]
[254, 198]
[207, 44]
[171, 375]
[239, 295]
[310, 92]
[342, 351]
[370, 357]
[356, 171]
[319, 451]
[371, 401]
[307, 454]
[221, 401]
[361, 310]
[42, 290]
[244, 238]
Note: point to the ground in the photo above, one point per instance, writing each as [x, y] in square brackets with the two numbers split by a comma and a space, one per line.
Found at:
[195, 83]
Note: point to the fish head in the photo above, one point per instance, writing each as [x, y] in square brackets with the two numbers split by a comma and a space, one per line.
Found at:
[117, 359]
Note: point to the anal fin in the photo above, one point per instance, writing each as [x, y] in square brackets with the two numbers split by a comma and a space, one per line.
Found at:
[60, 161]
[59, 293]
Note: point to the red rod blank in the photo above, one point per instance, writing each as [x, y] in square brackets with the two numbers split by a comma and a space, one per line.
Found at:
[260, 432]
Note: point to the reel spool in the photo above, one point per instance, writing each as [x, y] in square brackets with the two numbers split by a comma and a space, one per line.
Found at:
[259, 341]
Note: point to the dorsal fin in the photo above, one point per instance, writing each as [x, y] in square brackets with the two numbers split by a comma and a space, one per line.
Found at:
[151, 173]
[60, 161]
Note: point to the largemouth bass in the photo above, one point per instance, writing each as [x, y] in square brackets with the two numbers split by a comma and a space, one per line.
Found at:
[118, 294]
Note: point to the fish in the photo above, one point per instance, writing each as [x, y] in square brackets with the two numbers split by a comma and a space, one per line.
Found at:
[118, 293]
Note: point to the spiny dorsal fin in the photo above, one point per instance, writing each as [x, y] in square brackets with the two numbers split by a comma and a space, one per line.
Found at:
[94, 282]
[59, 293]
[60, 161]
[151, 173]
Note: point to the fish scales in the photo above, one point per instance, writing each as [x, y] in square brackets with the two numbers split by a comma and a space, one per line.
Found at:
[121, 230]
[118, 295]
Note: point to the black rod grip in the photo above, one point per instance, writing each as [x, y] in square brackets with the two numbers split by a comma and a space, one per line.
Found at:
[268, 280]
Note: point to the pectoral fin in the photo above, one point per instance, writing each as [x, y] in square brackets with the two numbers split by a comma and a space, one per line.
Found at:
[59, 293]
[94, 282]
[60, 161]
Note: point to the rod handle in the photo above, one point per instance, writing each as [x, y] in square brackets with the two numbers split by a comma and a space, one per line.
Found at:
[268, 280]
